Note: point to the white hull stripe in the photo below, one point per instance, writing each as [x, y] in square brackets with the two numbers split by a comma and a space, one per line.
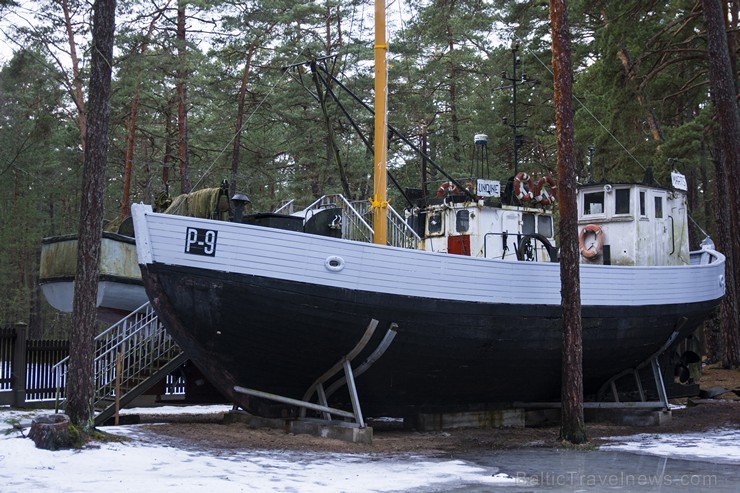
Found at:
[323, 261]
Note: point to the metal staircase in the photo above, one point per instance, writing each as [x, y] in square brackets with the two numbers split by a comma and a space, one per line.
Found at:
[131, 356]
[357, 217]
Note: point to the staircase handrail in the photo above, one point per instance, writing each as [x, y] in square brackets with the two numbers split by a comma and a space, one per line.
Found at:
[323, 200]
[286, 206]
[105, 332]
[126, 334]
[402, 234]
[404, 228]
[354, 211]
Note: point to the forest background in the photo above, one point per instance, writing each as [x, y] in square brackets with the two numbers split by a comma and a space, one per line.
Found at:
[201, 94]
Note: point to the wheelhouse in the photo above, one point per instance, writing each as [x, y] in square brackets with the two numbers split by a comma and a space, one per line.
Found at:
[632, 224]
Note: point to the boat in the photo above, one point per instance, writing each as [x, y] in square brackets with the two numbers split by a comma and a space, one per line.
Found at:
[454, 303]
[120, 289]
[472, 320]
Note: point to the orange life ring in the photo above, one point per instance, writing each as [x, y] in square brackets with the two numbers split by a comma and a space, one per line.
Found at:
[445, 188]
[595, 249]
[544, 197]
[524, 194]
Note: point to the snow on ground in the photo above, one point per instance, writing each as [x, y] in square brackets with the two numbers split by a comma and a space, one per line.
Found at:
[179, 410]
[143, 465]
[720, 446]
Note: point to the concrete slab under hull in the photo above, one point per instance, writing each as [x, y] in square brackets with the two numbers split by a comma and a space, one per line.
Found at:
[627, 416]
[428, 421]
[496, 418]
[335, 430]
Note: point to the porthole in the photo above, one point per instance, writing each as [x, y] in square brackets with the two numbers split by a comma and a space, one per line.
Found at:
[334, 263]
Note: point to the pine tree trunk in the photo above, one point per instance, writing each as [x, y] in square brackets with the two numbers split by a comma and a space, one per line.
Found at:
[80, 379]
[572, 426]
[240, 122]
[711, 327]
[182, 94]
[655, 130]
[728, 314]
[128, 158]
[424, 164]
[732, 17]
[722, 85]
[76, 83]
[168, 158]
[712, 339]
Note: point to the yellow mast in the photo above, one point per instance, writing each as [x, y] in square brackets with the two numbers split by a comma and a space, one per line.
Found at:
[380, 200]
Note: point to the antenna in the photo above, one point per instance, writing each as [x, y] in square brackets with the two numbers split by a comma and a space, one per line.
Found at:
[518, 139]
[591, 150]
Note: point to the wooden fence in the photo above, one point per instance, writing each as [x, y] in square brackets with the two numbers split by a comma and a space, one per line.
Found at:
[41, 356]
[7, 338]
[26, 369]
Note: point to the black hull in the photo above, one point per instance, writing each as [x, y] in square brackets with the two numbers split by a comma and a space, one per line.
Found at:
[279, 336]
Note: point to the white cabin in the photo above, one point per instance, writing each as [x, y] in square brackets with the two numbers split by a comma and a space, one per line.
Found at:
[619, 224]
[632, 224]
[475, 229]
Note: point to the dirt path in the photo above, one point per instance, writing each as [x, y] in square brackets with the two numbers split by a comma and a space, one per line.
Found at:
[697, 415]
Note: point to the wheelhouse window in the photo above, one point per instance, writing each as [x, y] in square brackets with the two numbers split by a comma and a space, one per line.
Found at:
[643, 210]
[434, 223]
[593, 203]
[528, 224]
[622, 201]
[462, 221]
[659, 207]
[541, 224]
[544, 226]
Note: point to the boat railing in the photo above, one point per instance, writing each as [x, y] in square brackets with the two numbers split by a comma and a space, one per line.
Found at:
[125, 354]
[356, 222]
[703, 257]
[400, 233]
[356, 219]
[285, 208]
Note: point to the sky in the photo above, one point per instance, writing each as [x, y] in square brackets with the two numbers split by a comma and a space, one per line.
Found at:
[8, 18]
[147, 463]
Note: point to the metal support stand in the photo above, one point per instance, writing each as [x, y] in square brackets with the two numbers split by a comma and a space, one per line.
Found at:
[657, 378]
[365, 365]
[654, 363]
[345, 363]
[659, 384]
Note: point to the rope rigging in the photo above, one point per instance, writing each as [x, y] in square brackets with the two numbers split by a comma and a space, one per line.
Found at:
[519, 40]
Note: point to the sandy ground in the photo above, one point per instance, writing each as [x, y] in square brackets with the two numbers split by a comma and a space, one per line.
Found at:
[199, 431]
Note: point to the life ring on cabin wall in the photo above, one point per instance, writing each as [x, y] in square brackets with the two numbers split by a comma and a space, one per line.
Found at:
[524, 194]
[542, 196]
[595, 249]
[445, 188]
